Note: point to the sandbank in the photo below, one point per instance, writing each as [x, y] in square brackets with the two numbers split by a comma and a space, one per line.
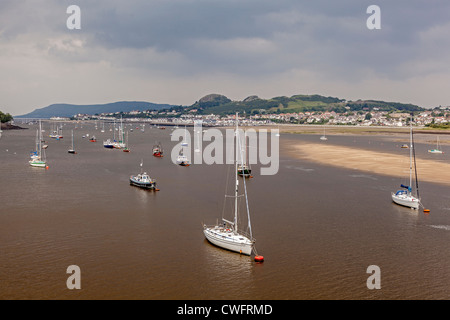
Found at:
[371, 161]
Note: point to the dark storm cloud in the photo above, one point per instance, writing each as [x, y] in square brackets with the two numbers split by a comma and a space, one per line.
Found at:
[218, 35]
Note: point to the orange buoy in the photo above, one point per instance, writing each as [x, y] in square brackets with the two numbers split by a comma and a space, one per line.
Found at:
[156, 189]
[426, 210]
[46, 168]
[259, 258]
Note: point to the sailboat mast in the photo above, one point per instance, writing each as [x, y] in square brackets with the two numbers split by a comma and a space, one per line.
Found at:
[415, 166]
[236, 177]
[246, 197]
[410, 152]
[40, 140]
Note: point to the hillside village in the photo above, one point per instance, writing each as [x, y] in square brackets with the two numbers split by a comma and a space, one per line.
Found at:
[218, 110]
[437, 117]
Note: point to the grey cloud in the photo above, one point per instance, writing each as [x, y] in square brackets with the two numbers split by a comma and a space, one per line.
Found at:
[248, 39]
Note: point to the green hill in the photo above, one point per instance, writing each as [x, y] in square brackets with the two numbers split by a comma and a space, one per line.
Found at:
[221, 105]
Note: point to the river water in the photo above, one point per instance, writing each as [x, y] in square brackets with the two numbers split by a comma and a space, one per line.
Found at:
[318, 227]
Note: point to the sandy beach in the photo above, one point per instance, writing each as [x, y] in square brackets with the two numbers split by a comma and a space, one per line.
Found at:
[371, 161]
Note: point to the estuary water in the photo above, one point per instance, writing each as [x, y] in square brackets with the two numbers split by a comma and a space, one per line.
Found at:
[318, 227]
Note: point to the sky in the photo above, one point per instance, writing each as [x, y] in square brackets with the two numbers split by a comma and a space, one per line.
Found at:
[177, 51]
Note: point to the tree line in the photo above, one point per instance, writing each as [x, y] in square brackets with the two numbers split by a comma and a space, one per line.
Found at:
[5, 117]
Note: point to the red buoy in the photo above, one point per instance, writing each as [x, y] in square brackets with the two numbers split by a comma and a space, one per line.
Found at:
[259, 258]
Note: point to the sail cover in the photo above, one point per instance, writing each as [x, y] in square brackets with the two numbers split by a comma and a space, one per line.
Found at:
[406, 187]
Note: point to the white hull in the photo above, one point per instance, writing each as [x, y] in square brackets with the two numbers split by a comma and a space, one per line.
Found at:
[228, 240]
[39, 164]
[182, 160]
[406, 200]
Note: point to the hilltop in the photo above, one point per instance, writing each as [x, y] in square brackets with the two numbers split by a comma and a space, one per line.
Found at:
[221, 105]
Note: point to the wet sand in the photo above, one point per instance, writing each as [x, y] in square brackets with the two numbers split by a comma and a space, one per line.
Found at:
[371, 161]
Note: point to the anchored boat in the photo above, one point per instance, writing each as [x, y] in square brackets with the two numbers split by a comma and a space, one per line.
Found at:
[143, 180]
[227, 235]
[404, 196]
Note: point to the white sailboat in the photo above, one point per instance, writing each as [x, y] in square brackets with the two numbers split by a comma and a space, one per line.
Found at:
[438, 148]
[126, 148]
[227, 234]
[72, 149]
[182, 159]
[404, 196]
[324, 137]
[121, 143]
[38, 158]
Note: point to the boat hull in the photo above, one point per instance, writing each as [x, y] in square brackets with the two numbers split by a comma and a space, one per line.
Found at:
[38, 164]
[406, 201]
[244, 173]
[143, 185]
[228, 240]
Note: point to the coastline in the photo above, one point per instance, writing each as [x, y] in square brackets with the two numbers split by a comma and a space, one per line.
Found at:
[353, 130]
[8, 126]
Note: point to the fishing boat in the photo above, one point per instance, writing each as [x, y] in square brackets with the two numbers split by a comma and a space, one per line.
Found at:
[157, 150]
[226, 234]
[143, 180]
[93, 139]
[38, 157]
[405, 196]
[438, 148]
[72, 149]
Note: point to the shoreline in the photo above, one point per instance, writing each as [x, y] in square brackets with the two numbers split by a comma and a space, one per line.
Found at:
[353, 130]
[375, 162]
[9, 126]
